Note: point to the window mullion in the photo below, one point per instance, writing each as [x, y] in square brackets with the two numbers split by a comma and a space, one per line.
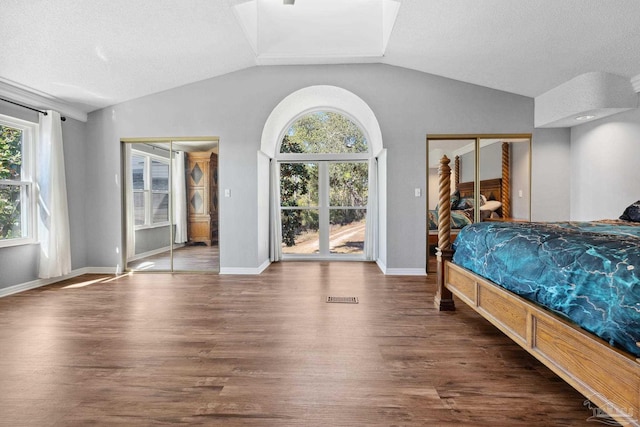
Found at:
[147, 190]
[323, 195]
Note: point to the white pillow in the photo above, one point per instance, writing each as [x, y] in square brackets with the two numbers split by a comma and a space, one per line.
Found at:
[491, 205]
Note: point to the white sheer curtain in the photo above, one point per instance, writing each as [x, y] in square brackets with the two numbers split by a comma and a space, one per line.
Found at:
[371, 235]
[53, 211]
[179, 198]
[129, 209]
[275, 222]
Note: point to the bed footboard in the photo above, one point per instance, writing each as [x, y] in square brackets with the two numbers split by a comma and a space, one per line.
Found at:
[606, 376]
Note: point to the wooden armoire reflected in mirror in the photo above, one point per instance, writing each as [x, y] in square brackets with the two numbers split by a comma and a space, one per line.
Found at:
[202, 197]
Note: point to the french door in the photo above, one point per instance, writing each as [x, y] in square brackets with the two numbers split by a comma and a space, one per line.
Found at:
[323, 208]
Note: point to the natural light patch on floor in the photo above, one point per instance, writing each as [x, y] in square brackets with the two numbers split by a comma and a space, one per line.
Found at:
[86, 283]
[146, 265]
[101, 280]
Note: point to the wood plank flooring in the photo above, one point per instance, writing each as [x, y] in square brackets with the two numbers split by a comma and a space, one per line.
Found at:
[267, 350]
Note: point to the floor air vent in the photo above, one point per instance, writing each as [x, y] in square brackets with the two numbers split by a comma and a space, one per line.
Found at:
[344, 300]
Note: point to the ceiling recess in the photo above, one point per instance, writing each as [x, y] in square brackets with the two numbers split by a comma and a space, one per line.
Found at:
[317, 31]
[589, 96]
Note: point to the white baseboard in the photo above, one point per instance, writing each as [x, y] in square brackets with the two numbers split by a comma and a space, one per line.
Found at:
[156, 251]
[405, 272]
[44, 282]
[400, 271]
[244, 270]
[264, 266]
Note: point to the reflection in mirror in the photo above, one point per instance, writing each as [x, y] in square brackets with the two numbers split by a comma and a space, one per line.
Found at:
[503, 177]
[461, 153]
[171, 205]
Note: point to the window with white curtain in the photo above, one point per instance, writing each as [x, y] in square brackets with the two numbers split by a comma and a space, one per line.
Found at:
[17, 175]
[150, 177]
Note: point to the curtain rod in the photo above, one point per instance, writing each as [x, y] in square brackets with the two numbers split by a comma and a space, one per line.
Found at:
[30, 108]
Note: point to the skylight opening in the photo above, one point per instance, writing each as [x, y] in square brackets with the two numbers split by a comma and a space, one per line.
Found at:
[317, 29]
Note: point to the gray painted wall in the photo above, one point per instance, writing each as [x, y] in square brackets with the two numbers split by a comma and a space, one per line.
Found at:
[604, 166]
[407, 104]
[19, 264]
[151, 239]
[520, 180]
[550, 174]
[587, 172]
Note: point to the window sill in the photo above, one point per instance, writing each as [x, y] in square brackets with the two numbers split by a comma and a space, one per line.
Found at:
[148, 227]
[10, 243]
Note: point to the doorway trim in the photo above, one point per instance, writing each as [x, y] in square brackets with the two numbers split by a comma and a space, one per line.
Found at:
[300, 103]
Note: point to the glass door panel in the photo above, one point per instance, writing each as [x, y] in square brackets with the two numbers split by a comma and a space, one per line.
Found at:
[300, 231]
[299, 204]
[348, 194]
[347, 231]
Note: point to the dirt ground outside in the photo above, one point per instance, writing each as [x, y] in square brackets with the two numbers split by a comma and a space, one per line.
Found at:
[343, 239]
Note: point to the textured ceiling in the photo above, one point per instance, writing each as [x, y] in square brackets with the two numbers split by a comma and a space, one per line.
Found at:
[97, 53]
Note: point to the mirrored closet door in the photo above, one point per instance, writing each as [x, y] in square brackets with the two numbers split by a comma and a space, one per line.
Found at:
[170, 204]
[490, 181]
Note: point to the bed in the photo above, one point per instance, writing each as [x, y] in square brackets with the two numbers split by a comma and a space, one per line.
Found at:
[581, 271]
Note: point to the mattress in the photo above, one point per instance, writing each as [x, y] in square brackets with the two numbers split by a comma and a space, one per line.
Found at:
[588, 272]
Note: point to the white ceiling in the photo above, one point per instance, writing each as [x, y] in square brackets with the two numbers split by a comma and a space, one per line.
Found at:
[94, 54]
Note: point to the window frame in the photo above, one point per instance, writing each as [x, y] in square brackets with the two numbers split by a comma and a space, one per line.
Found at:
[27, 180]
[148, 191]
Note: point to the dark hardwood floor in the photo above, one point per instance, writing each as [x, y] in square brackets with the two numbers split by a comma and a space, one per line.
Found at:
[267, 350]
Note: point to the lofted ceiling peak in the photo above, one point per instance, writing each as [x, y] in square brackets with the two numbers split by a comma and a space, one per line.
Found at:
[95, 54]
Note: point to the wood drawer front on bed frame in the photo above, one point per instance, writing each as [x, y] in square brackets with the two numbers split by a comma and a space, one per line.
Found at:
[606, 376]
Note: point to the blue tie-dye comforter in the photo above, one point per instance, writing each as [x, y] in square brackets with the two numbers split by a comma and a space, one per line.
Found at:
[588, 272]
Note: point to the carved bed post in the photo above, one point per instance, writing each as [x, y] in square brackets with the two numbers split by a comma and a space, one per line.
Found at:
[506, 181]
[444, 299]
[456, 172]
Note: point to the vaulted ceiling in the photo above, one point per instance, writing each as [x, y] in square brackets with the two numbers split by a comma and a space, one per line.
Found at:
[93, 54]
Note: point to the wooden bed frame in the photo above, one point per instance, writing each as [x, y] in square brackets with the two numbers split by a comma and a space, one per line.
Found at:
[606, 376]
